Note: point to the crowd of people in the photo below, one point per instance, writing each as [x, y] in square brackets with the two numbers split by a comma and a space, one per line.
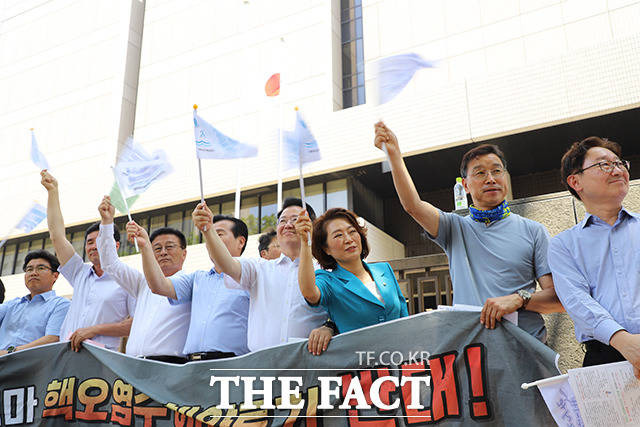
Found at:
[311, 281]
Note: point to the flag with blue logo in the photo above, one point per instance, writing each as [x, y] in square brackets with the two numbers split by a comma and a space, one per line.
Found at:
[299, 146]
[36, 214]
[36, 155]
[393, 73]
[136, 169]
[213, 144]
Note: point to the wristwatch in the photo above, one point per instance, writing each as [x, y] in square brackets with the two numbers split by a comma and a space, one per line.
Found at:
[526, 297]
[11, 349]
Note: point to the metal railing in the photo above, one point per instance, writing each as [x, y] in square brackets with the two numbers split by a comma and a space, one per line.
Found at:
[424, 280]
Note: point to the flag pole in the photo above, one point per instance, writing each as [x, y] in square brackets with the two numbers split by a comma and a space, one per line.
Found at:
[279, 200]
[545, 381]
[304, 203]
[195, 110]
[126, 205]
[237, 200]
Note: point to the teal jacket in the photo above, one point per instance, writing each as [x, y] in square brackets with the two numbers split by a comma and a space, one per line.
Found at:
[351, 305]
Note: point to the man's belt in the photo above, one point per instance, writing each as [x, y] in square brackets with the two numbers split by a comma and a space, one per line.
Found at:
[210, 355]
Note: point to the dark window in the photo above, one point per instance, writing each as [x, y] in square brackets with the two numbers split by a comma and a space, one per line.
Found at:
[353, 92]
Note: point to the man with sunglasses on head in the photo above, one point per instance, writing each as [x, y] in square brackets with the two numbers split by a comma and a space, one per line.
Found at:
[596, 263]
[495, 256]
[34, 319]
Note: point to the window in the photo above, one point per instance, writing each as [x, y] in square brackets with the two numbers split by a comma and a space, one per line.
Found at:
[353, 92]
[337, 194]
[249, 213]
[268, 211]
[7, 260]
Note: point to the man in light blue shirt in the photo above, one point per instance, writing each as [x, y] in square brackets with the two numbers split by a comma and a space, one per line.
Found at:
[596, 263]
[34, 319]
[218, 326]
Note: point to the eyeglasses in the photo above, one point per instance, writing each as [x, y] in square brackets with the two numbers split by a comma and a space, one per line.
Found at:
[38, 268]
[483, 174]
[607, 166]
[284, 220]
[170, 247]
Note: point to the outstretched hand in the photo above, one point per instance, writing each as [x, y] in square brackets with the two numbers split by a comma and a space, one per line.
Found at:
[202, 217]
[138, 234]
[304, 226]
[48, 181]
[107, 211]
[385, 138]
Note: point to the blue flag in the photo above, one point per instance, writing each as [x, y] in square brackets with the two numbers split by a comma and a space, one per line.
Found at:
[393, 73]
[36, 214]
[299, 146]
[213, 144]
[36, 156]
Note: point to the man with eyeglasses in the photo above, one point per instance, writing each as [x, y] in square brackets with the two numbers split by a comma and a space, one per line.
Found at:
[100, 309]
[218, 326]
[159, 329]
[34, 319]
[495, 256]
[277, 310]
[596, 263]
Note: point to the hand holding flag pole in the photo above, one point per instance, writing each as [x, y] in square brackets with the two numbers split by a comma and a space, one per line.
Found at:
[126, 205]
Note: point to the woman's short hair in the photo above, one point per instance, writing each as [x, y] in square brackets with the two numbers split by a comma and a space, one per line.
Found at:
[319, 239]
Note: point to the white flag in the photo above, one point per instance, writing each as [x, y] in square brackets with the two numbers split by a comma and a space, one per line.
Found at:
[559, 397]
[299, 146]
[36, 155]
[36, 214]
[136, 170]
[213, 144]
[393, 73]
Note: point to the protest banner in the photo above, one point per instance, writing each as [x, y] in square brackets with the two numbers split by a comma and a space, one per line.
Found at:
[439, 367]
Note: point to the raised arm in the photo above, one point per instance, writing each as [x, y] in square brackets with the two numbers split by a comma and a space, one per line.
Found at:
[127, 277]
[218, 252]
[64, 249]
[156, 280]
[424, 213]
[306, 273]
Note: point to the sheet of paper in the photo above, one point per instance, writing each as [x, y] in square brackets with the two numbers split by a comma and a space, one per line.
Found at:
[607, 395]
[511, 317]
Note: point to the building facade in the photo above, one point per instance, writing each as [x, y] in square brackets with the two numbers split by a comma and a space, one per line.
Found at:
[531, 76]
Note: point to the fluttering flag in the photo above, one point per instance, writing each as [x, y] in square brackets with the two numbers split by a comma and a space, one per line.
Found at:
[118, 201]
[272, 87]
[36, 214]
[36, 155]
[299, 145]
[137, 169]
[393, 73]
[213, 144]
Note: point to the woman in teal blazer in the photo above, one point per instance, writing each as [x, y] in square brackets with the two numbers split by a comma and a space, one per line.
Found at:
[356, 294]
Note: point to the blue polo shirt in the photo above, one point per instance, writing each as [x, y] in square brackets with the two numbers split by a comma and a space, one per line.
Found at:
[218, 314]
[23, 320]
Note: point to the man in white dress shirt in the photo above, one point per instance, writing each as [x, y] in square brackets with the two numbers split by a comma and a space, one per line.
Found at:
[159, 329]
[278, 312]
[100, 310]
